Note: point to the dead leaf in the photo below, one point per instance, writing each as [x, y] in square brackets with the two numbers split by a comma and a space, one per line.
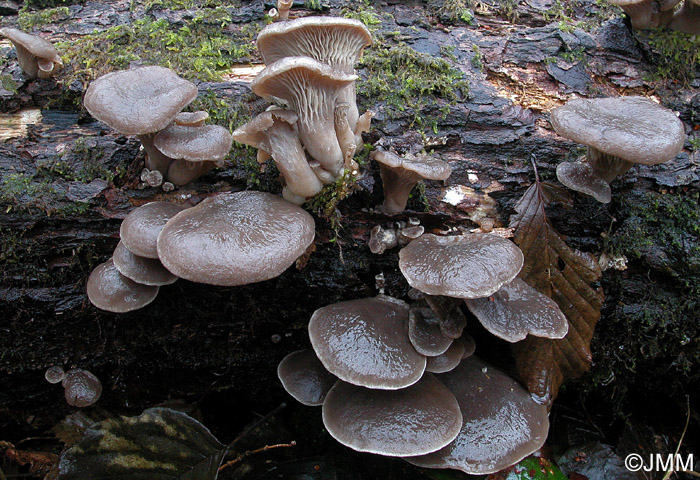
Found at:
[564, 274]
[37, 461]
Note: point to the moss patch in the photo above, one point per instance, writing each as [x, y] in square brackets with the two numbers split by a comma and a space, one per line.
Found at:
[28, 20]
[677, 55]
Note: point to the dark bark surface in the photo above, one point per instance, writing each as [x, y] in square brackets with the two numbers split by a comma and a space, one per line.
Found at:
[218, 347]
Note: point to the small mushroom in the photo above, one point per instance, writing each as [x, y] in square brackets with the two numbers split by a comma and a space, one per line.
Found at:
[54, 374]
[421, 418]
[619, 132]
[502, 424]
[517, 310]
[365, 342]
[382, 239]
[235, 239]
[275, 131]
[425, 333]
[37, 57]
[687, 19]
[400, 175]
[311, 89]
[304, 377]
[194, 150]
[191, 119]
[82, 388]
[141, 101]
[109, 290]
[139, 230]
[146, 271]
[446, 361]
[465, 266]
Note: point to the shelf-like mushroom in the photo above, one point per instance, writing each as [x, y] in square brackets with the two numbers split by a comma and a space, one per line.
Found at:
[146, 271]
[304, 377]
[139, 230]
[109, 290]
[37, 57]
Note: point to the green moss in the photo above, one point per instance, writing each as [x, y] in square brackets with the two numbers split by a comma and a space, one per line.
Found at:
[364, 12]
[50, 3]
[677, 54]
[7, 83]
[452, 11]
[28, 20]
[80, 163]
[200, 49]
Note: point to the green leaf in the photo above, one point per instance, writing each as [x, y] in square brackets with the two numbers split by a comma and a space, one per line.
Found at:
[160, 444]
[531, 468]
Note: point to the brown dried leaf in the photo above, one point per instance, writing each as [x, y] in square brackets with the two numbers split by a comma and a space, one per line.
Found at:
[565, 275]
[37, 461]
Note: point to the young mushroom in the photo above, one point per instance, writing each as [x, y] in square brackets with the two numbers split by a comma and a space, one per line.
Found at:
[81, 388]
[109, 290]
[619, 132]
[311, 89]
[400, 175]
[304, 377]
[141, 101]
[37, 57]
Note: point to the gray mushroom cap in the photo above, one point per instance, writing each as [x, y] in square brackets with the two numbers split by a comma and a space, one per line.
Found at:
[191, 119]
[82, 388]
[448, 360]
[425, 333]
[465, 266]
[36, 55]
[517, 310]
[579, 176]
[146, 271]
[421, 418]
[634, 129]
[194, 143]
[140, 100]
[365, 342]
[502, 424]
[139, 230]
[235, 239]
[304, 377]
[109, 290]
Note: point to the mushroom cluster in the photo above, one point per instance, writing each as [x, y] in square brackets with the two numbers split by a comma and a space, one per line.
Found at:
[147, 102]
[228, 239]
[81, 388]
[388, 387]
[36, 56]
[619, 132]
[314, 129]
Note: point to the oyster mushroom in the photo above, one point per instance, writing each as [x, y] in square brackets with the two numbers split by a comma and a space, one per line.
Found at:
[82, 388]
[141, 101]
[146, 271]
[425, 333]
[37, 57]
[400, 175]
[365, 342]
[421, 418]
[311, 89]
[139, 230]
[275, 131]
[235, 239]
[619, 132]
[337, 42]
[304, 377]
[109, 290]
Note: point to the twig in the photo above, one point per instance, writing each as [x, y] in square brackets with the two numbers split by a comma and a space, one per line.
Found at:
[678, 447]
[252, 452]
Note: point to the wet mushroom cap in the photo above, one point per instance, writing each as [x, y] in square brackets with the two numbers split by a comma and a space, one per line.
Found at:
[194, 144]
[425, 333]
[365, 342]
[139, 230]
[634, 129]
[336, 41]
[517, 310]
[305, 378]
[235, 239]
[54, 374]
[465, 266]
[446, 361]
[146, 271]
[82, 388]
[191, 119]
[109, 290]
[140, 100]
[421, 418]
[579, 176]
[502, 423]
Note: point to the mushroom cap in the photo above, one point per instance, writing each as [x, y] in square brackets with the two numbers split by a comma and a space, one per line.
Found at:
[139, 230]
[34, 44]
[446, 361]
[365, 342]
[425, 333]
[416, 167]
[109, 290]
[54, 374]
[191, 119]
[579, 176]
[517, 310]
[146, 271]
[421, 418]
[235, 239]
[632, 128]
[304, 377]
[194, 144]
[335, 41]
[291, 78]
[82, 388]
[465, 266]
[253, 133]
[140, 100]
[502, 423]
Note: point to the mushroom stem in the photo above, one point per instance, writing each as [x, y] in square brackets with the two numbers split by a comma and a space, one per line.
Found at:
[181, 172]
[155, 159]
[346, 137]
[283, 7]
[452, 320]
[606, 166]
[640, 14]
[290, 158]
[400, 186]
[363, 126]
[687, 19]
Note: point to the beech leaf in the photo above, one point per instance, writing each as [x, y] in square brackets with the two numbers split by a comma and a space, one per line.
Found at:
[160, 444]
[567, 276]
